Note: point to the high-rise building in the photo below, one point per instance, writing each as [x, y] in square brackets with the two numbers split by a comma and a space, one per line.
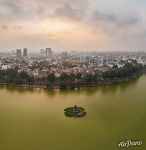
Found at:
[64, 55]
[18, 53]
[25, 52]
[49, 52]
[42, 53]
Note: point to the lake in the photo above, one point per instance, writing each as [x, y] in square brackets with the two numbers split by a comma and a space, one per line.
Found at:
[33, 119]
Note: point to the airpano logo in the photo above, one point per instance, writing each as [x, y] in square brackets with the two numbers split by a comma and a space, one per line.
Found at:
[129, 143]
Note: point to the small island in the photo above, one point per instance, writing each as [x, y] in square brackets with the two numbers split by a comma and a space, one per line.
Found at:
[74, 111]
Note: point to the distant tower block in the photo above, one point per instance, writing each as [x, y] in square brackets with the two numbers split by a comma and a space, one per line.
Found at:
[42, 53]
[64, 55]
[18, 53]
[49, 52]
[25, 52]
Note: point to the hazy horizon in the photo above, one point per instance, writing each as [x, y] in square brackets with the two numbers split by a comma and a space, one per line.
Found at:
[85, 25]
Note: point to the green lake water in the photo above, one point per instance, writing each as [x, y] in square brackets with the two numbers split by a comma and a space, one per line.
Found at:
[33, 119]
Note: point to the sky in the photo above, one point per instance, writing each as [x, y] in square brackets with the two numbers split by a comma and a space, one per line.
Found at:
[87, 25]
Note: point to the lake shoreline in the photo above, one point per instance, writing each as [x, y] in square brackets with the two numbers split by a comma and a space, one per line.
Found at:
[103, 83]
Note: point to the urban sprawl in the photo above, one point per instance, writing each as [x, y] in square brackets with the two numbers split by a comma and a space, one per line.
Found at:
[49, 68]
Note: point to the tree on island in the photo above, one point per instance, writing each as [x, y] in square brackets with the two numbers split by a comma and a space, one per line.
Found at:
[74, 111]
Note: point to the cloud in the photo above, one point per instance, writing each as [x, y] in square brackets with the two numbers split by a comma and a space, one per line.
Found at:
[4, 27]
[18, 27]
[9, 9]
[26, 9]
[57, 18]
[115, 24]
[67, 11]
[18, 10]
[119, 20]
[75, 10]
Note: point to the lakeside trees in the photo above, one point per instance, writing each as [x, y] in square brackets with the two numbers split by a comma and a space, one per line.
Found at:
[127, 71]
[51, 78]
[13, 77]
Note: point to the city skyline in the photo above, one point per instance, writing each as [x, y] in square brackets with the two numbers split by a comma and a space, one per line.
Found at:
[95, 25]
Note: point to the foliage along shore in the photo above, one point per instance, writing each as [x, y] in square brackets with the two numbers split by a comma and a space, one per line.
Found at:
[11, 77]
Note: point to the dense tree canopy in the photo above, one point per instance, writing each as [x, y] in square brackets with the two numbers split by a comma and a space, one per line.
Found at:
[51, 77]
[12, 76]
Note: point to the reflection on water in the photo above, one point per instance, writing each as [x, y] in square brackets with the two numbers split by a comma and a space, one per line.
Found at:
[33, 118]
[89, 90]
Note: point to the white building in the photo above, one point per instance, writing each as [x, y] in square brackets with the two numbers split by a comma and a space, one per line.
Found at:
[5, 67]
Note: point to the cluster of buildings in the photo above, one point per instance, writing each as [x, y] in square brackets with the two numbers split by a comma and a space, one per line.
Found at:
[49, 62]
[19, 53]
[46, 53]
